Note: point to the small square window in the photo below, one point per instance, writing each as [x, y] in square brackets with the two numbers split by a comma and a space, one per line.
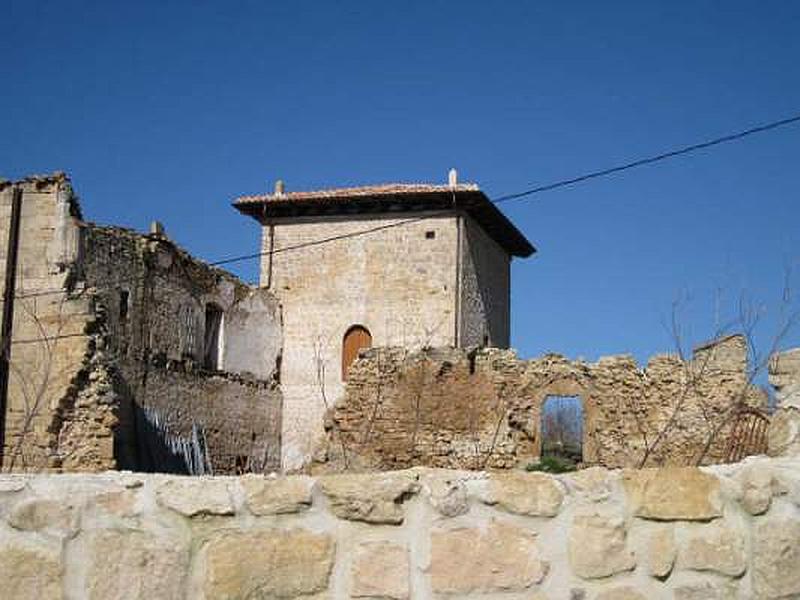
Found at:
[429, 235]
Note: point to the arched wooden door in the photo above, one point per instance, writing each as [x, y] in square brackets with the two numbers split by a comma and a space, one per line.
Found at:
[355, 339]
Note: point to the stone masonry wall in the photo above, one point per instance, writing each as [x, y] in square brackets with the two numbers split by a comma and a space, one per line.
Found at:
[397, 283]
[485, 289]
[50, 344]
[725, 533]
[109, 322]
[455, 409]
[153, 299]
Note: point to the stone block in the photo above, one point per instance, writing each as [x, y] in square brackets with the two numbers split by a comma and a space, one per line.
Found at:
[756, 482]
[274, 496]
[133, 564]
[776, 556]
[625, 592]
[529, 494]
[196, 496]
[783, 435]
[705, 590]
[501, 558]
[719, 549]
[597, 546]
[380, 570]
[39, 514]
[661, 552]
[11, 484]
[269, 564]
[372, 498]
[673, 493]
[447, 495]
[28, 573]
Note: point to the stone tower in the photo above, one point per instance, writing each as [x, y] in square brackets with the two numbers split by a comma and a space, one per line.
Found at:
[399, 264]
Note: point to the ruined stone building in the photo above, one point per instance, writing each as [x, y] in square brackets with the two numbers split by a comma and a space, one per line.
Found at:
[124, 347]
[407, 265]
[377, 339]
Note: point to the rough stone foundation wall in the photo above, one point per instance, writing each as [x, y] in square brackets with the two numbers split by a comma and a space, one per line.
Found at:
[450, 408]
[729, 532]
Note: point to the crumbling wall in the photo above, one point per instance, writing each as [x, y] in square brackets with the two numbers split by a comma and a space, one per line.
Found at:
[109, 323]
[154, 299]
[450, 408]
[52, 313]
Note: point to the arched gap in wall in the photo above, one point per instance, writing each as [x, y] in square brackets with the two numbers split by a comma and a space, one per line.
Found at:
[562, 432]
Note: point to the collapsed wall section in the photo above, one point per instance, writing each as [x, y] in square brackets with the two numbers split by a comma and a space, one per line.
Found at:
[49, 346]
[119, 348]
[185, 361]
[450, 408]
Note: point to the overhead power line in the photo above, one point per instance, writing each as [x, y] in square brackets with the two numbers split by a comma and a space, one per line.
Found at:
[732, 137]
[649, 160]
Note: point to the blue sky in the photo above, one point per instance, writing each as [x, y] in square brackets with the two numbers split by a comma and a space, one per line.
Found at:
[168, 110]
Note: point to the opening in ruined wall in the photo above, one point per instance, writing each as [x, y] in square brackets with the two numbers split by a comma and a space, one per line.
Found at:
[562, 431]
[355, 339]
[124, 304]
[211, 353]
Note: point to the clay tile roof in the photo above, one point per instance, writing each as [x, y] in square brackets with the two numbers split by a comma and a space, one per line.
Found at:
[390, 197]
[386, 189]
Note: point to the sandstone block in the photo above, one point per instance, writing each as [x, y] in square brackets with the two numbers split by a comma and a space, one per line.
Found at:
[120, 503]
[661, 552]
[500, 559]
[705, 590]
[133, 564]
[756, 483]
[621, 593]
[271, 564]
[284, 495]
[196, 496]
[28, 573]
[594, 483]
[380, 570]
[720, 550]
[38, 514]
[783, 435]
[530, 494]
[447, 495]
[776, 556]
[674, 493]
[597, 546]
[372, 498]
[10, 484]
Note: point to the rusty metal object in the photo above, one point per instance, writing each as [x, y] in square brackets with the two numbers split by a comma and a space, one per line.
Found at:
[748, 434]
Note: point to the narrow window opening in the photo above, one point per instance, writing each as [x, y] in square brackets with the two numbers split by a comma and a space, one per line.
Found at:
[212, 337]
[562, 433]
[429, 235]
[124, 304]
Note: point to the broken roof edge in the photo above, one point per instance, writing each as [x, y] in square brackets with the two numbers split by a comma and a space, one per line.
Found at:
[373, 199]
[59, 180]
